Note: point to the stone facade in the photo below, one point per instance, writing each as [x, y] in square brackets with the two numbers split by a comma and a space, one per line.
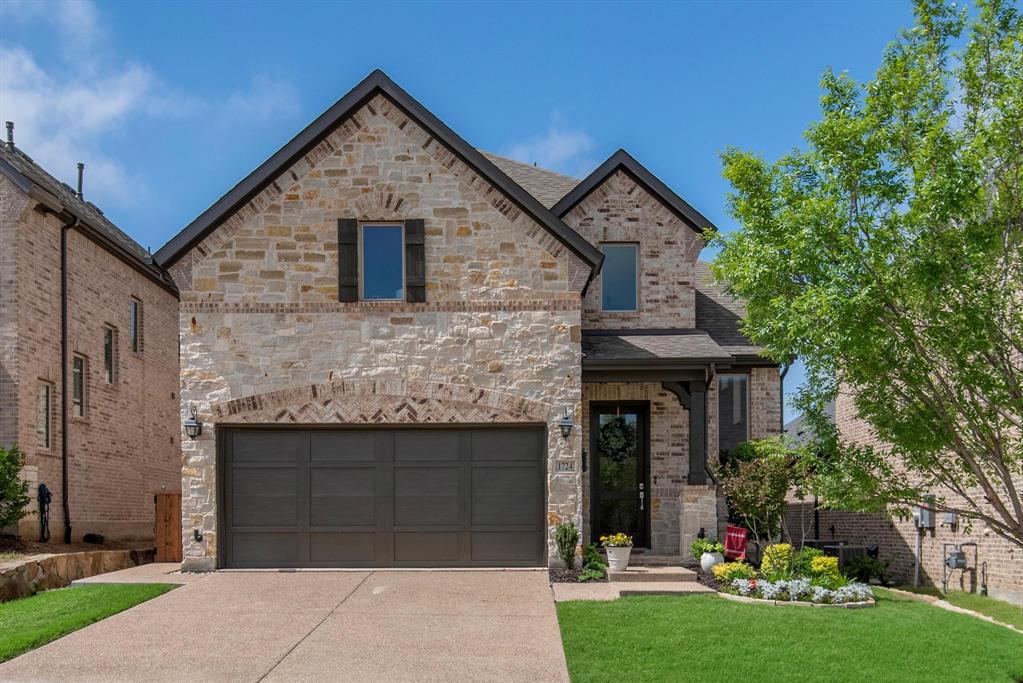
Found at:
[897, 537]
[265, 339]
[125, 448]
[620, 210]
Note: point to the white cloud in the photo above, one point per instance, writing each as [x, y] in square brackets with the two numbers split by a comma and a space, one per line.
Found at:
[65, 112]
[561, 148]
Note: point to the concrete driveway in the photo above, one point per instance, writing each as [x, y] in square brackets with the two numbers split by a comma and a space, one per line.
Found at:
[357, 626]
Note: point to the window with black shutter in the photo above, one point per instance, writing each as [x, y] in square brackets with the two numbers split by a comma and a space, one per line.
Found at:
[381, 261]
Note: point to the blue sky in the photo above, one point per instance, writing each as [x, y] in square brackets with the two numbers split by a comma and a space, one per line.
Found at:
[170, 104]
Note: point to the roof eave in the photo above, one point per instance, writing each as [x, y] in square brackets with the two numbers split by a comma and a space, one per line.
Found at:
[299, 145]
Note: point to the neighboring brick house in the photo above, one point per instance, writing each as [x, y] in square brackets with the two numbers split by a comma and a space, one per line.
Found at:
[387, 335]
[999, 563]
[121, 364]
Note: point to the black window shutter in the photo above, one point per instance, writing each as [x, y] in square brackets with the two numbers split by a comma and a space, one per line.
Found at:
[348, 259]
[415, 260]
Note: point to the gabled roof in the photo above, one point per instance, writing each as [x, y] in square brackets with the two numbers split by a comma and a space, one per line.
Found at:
[622, 160]
[546, 185]
[315, 132]
[60, 198]
[721, 315]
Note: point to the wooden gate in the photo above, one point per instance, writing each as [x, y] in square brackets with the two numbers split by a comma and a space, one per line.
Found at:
[167, 530]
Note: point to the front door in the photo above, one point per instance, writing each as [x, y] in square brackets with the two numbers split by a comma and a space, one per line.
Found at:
[619, 478]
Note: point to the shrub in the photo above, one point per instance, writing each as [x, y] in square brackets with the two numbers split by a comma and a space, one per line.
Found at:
[864, 568]
[802, 559]
[591, 574]
[777, 562]
[567, 538]
[824, 572]
[592, 558]
[728, 572]
[706, 545]
[13, 490]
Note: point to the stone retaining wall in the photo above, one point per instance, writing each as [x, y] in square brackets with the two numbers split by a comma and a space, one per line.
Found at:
[43, 572]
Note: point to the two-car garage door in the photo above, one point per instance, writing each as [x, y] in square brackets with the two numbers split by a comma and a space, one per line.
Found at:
[382, 497]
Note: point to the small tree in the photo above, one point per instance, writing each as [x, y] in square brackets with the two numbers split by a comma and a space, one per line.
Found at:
[14, 496]
[756, 479]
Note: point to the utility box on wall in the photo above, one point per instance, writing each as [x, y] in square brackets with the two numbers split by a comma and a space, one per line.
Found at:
[924, 515]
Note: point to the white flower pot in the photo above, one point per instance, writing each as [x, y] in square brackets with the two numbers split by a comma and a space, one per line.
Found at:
[708, 560]
[618, 558]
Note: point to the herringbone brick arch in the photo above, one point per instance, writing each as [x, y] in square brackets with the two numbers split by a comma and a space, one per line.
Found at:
[381, 402]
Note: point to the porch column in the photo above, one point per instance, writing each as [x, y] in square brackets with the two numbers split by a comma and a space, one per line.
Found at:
[693, 397]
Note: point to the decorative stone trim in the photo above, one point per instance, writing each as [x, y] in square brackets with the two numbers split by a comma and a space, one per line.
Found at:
[796, 603]
[382, 402]
[567, 304]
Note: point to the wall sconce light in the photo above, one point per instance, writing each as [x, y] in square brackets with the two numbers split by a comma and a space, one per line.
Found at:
[566, 423]
[193, 427]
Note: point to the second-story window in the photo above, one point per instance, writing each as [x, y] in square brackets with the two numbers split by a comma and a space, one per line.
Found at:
[619, 278]
[135, 325]
[78, 378]
[110, 354]
[382, 255]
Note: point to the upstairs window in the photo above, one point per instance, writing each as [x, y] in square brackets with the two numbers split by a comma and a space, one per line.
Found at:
[382, 262]
[44, 413]
[79, 374]
[733, 413]
[619, 282]
[110, 354]
[135, 325]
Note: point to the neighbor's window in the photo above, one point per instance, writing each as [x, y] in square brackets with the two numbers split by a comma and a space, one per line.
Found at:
[78, 375]
[618, 277]
[135, 325]
[44, 411]
[110, 354]
[382, 252]
[733, 412]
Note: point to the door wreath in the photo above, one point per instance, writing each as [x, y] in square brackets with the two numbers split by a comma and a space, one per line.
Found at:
[617, 439]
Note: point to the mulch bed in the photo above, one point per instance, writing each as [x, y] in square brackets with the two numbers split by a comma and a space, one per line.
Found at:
[559, 575]
[707, 579]
[11, 544]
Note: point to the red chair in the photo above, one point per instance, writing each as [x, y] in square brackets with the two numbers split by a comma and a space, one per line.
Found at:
[735, 543]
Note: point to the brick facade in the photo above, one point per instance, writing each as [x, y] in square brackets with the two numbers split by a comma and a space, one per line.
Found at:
[620, 210]
[897, 537]
[125, 448]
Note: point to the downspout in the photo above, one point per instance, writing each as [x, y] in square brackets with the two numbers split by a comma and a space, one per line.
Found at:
[64, 497]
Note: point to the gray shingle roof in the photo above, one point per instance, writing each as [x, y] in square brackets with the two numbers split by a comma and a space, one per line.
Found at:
[686, 345]
[85, 210]
[720, 315]
[546, 186]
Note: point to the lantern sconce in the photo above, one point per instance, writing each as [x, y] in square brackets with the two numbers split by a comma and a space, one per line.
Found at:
[566, 423]
[193, 427]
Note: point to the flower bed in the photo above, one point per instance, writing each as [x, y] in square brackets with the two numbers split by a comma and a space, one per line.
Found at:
[806, 577]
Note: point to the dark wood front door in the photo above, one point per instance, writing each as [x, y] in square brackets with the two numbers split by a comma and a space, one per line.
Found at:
[619, 477]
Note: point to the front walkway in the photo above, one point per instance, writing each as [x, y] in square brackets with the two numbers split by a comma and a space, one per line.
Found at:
[364, 626]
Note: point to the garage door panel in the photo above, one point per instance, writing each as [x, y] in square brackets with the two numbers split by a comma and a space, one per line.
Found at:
[429, 444]
[341, 548]
[383, 497]
[504, 546]
[264, 497]
[506, 444]
[344, 446]
[505, 510]
[265, 549]
[267, 446]
[426, 547]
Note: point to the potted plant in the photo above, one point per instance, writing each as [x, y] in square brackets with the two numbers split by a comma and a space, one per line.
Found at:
[709, 551]
[618, 547]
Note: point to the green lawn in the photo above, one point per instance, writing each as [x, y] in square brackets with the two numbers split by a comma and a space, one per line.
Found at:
[1000, 610]
[34, 621]
[707, 638]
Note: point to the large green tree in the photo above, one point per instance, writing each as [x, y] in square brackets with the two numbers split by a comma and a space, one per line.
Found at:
[886, 253]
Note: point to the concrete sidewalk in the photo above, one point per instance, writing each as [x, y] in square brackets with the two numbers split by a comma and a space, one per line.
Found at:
[365, 626]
